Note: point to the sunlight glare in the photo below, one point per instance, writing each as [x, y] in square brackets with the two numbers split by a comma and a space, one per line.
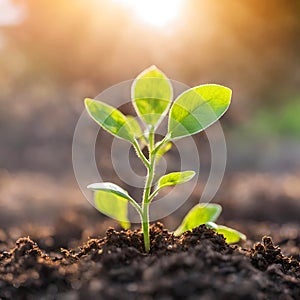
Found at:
[155, 12]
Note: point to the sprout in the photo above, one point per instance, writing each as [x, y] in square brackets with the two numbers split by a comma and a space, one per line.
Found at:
[191, 112]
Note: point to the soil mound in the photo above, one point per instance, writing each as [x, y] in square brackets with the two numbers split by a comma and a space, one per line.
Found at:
[197, 265]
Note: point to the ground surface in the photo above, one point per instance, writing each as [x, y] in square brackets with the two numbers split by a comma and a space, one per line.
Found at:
[113, 265]
[197, 265]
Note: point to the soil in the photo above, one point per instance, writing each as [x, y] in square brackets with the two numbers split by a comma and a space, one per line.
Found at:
[196, 265]
[110, 264]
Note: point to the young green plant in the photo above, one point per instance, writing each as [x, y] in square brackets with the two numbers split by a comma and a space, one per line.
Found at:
[191, 112]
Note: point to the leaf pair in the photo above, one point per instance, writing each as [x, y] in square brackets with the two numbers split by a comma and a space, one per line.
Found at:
[151, 93]
[112, 200]
[207, 214]
[192, 111]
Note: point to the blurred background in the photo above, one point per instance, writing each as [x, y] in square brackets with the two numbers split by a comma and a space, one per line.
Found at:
[54, 53]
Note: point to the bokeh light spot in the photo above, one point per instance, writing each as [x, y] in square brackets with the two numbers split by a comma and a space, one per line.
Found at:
[157, 13]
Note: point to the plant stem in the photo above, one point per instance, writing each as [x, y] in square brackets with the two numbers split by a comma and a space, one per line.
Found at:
[140, 153]
[147, 191]
[136, 206]
[147, 196]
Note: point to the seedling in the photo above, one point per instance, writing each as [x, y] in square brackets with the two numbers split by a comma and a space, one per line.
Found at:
[191, 112]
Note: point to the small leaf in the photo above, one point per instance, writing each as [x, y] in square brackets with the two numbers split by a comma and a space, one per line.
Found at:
[197, 108]
[199, 214]
[164, 149]
[111, 187]
[231, 235]
[112, 201]
[151, 95]
[175, 178]
[110, 119]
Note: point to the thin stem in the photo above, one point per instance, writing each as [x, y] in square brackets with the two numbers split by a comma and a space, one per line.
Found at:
[147, 191]
[153, 194]
[140, 154]
[145, 226]
[147, 196]
[136, 206]
[160, 144]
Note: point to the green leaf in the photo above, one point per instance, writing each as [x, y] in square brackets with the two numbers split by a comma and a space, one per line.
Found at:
[175, 178]
[231, 235]
[135, 126]
[110, 187]
[199, 214]
[151, 95]
[197, 108]
[137, 130]
[112, 201]
[110, 119]
[164, 149]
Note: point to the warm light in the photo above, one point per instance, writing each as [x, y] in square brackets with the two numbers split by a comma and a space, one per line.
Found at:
[155, 12]
[10, 13]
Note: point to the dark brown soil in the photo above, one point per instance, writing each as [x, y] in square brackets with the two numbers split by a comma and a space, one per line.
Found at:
[197, 265]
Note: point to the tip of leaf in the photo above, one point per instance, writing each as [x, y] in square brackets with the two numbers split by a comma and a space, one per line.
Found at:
[125, 225]
[217, 206]
[192, 174]
[225, 88]
[242, 236]
[229, 92]
[88, 101]
[91, 186]
[153, 67]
